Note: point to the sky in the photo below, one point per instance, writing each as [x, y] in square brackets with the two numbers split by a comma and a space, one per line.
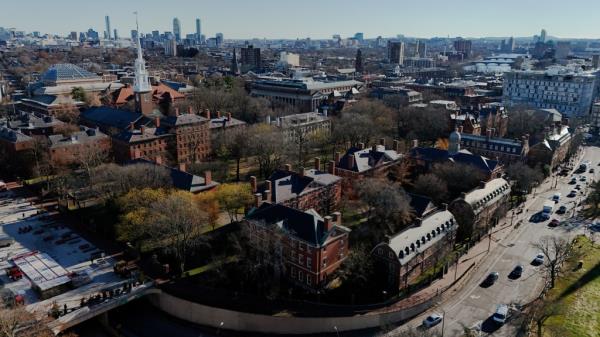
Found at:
[244, 19]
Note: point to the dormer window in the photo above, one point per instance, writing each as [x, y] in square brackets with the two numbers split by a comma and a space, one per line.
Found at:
[406, 251]
[401, 254]
[418, 244]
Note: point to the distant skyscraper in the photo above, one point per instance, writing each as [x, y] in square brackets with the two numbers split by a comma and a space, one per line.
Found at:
[199, 30]
[251, 58]
[511, 44]
[463, 46]
[235, 69]
[359, 36]
[115, 34]
[358, 62]
[171, 48]
[395, 52]
[177, 29]
[595, 61]
[108, 31]
[563, 48]
[543, 36]
[134, 35]
[73, 36]
[219, 39]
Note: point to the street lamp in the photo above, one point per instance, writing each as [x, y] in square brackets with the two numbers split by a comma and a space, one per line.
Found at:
[219, 328]
[336, 331]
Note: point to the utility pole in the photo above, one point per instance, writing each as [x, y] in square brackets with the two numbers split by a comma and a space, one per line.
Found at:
[443, 321]
[489, 241]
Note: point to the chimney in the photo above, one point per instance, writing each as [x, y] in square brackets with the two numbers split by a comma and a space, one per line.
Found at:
[131, 126]
[207, 177]
[288, 167]
[444, 206]
[397, 146]
[267, 195]
[190, 110]
[182, 167]
[482, 184]
[415, 143]
[229, 116]
[488, 134]
[158, 160]
[350, 162]
[218, 114]
[337, 218]
[418, 221]
[268, 186]
[337, 158]
[302, 172]
[253, 184]
[257, 199]
[157, 122]
[331, 168]
[382, 141]
[328, 223]
[206, 113]
[361, 146]
[143, 129]
[176, 112]
[317, 163]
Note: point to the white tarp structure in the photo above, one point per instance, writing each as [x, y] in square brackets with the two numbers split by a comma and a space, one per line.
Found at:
[43, 272]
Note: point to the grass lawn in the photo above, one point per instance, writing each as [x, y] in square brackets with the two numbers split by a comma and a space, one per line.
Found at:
[579, 293]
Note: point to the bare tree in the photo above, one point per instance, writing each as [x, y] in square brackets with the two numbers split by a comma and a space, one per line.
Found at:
[431, 186]
[18, 322]
[556, 250]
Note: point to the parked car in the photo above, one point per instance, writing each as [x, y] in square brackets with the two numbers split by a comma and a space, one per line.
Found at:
[500, 314]
[577, 187]
[583, 178]
[517, 271]
[539, 259]
[432, 320]
[573, 181]
[490, 279]
[562, 210]
[554, 223]
[572, 194]
[592, 170]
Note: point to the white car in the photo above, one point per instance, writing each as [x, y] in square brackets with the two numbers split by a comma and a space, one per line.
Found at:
[539, 259]
[500, 314]
[432, 320]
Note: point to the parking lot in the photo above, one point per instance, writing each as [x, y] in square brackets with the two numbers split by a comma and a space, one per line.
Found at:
[54, 262]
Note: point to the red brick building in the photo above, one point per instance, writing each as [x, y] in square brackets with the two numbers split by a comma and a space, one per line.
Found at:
[360, 162]
[144, 142]
[87, 144]
[304, 190]
[311, 247]
[190, 140]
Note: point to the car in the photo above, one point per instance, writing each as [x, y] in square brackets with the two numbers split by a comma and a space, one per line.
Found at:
[490, 279]
[539, 259]
[573, 181]
[583, 178]
[572, 194]
[562, 210]
[577, 187]
[517, 271]
[591, 170]
[554, 223]
[432, 320]
[500, 314]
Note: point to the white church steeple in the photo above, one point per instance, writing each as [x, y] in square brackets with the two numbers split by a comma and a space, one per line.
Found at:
[141, 83]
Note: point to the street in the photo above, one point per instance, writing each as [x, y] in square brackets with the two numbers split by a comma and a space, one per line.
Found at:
[473, 305]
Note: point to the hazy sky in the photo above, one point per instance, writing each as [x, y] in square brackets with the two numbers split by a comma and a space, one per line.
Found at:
[313, 18]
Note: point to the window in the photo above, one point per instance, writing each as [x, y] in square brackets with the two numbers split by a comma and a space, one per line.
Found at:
[300, 259]
[293, 272]
[308, 280]
[308, 262]
[300, 275]
[324, 262]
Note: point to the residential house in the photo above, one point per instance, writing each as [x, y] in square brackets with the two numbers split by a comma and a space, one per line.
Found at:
[79, 147]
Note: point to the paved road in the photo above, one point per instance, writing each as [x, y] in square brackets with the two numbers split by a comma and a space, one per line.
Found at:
[473, 305]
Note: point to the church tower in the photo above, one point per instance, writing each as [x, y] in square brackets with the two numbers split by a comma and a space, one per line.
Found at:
[141, 87]
[454, 142]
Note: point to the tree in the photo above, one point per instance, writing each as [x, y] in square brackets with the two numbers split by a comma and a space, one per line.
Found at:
[79, 94]
[556, 250]
[208, 202]
[68, 113]
[112, 180]
[388, 206]
[524, 176]
[522, 121]
[233, 144]
[544, 308]
[136, 214]
[266, 147]
[427, 124]
[18, 322]
[432, 187]
[459, 177]
[90, 157]
[358, 270]
[593, 201]
[233, 197]
[178, 224]
[363, 122]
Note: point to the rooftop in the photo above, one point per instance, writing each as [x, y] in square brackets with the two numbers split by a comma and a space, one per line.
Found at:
[67, 72]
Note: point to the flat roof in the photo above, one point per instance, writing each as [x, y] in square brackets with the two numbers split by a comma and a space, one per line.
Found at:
[42, 270]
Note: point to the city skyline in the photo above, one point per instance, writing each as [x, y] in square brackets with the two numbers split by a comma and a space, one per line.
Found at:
[242, 20]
